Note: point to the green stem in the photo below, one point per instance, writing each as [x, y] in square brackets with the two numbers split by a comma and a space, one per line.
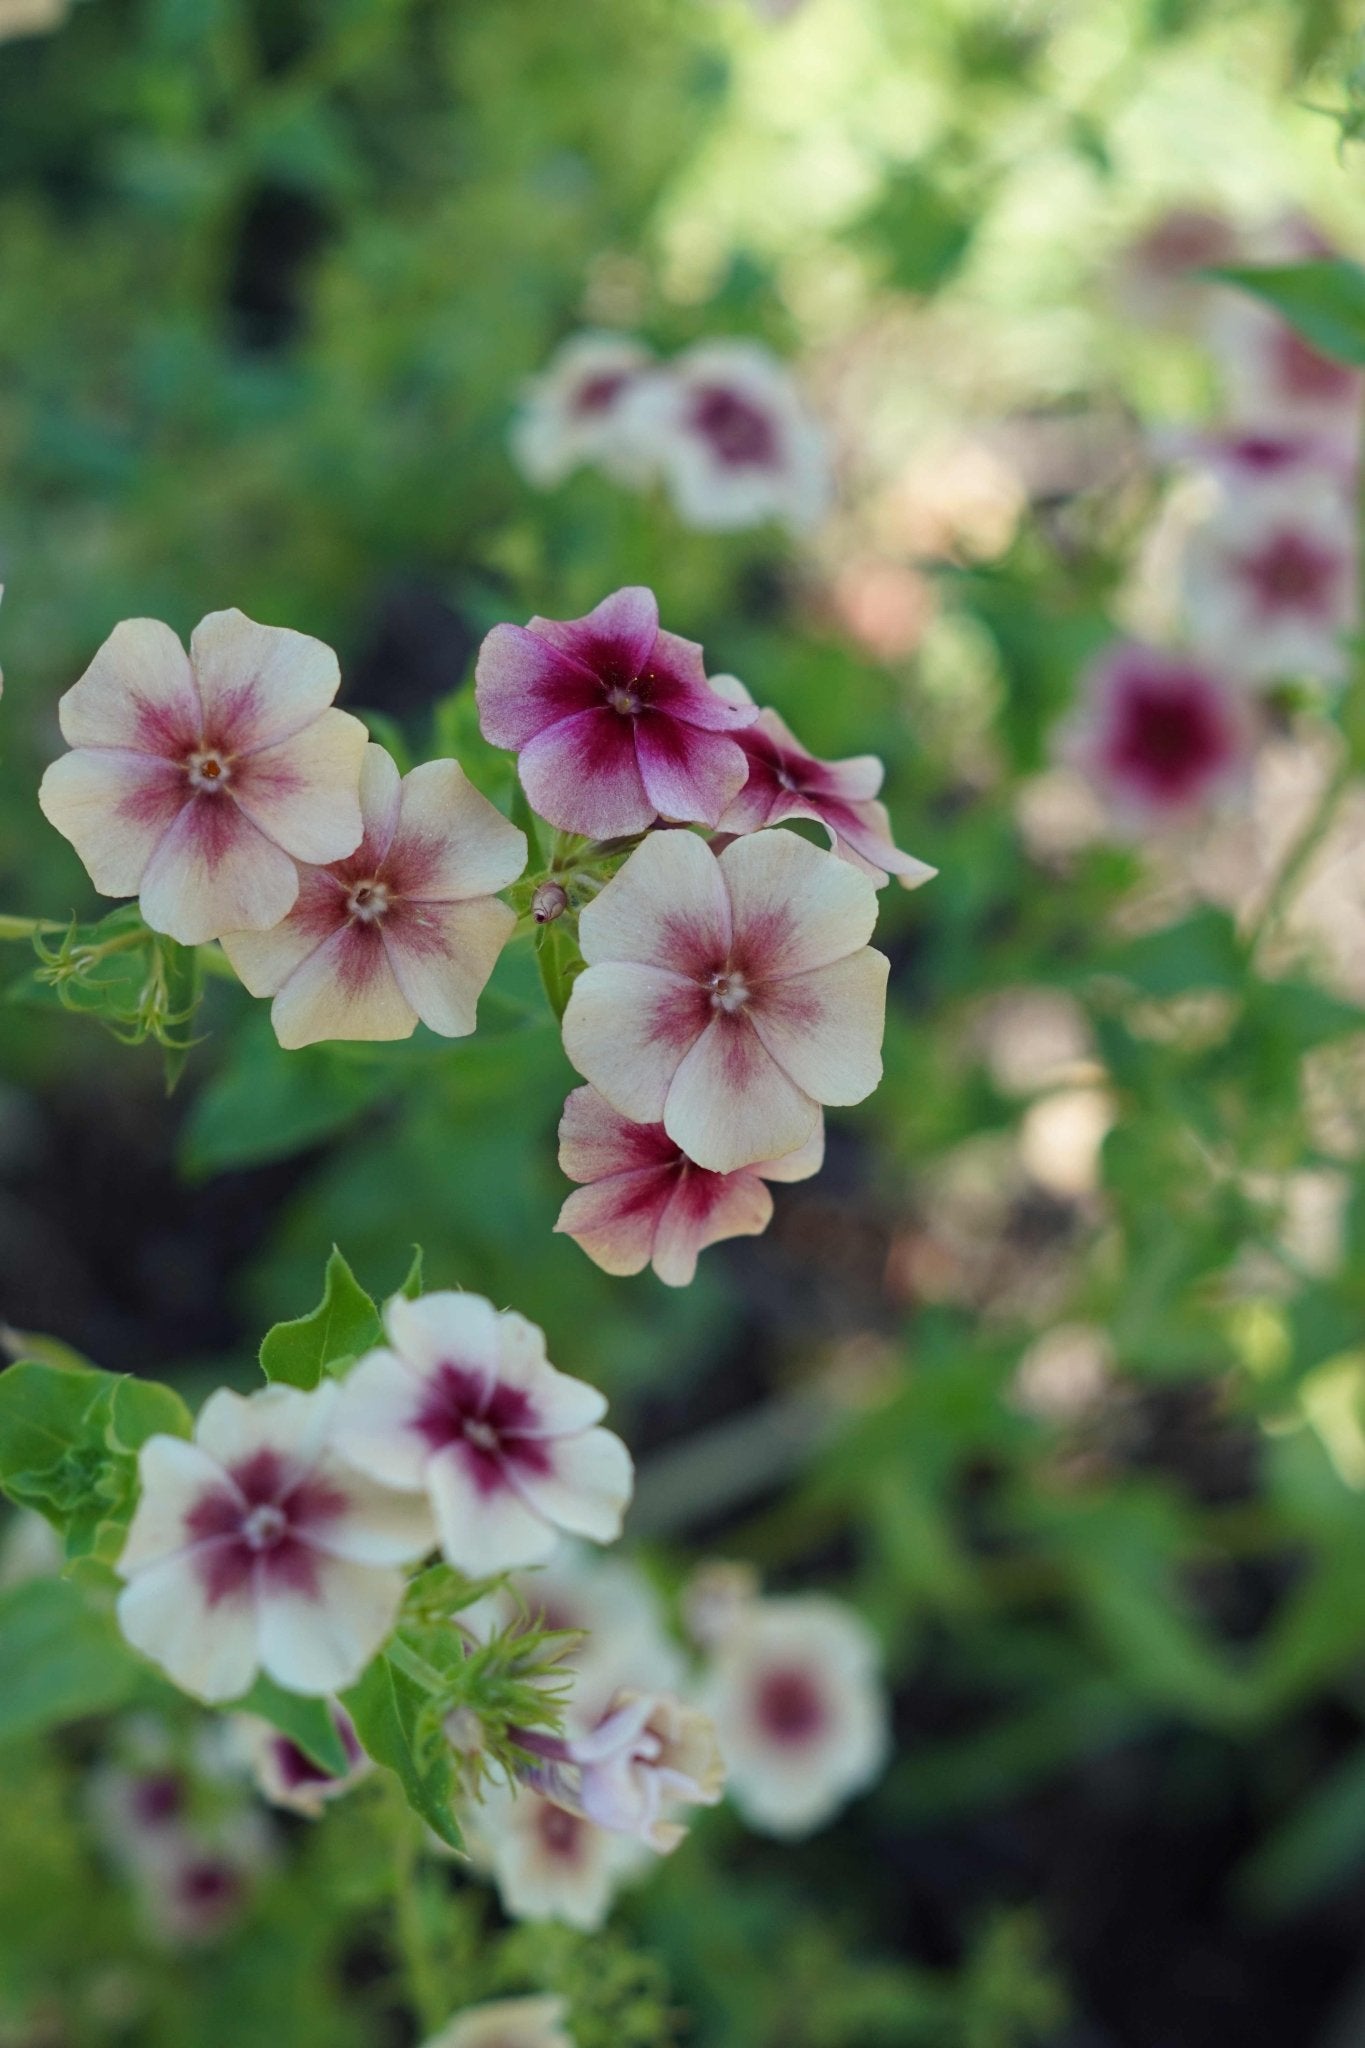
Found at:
[420, 1967]
[27, 927]
[1315, 830]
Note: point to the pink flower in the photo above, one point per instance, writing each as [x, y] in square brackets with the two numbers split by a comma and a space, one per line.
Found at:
[197, 783]
[465, 1408]
[406, 927]
[1160, 734]
[645, 1203]
[287, 1777]
[254, 1548]
[614, 720]
[647, 1755]
[1277, 381]
[1270, 579]
[728, 998]
[549, 1864]
[786, 782]
[575, 411]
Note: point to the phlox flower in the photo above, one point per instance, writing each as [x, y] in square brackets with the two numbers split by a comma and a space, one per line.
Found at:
[199, 1884]
[407, 927]
[1159, 734]
[507, 2023]
[1270, 579]
[255, 1548]
[287, 1777]
[463, 1407]
[547, 1863]
[643, 1202]
[785, 782]
[795, 1691]
[575, 411]
[647, 1755]
[1275, 381]
[196, 783]
[728, 997]
[732, 438]
[613, 720]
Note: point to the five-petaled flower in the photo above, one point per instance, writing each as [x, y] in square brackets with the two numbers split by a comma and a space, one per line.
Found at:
[464, 1407]
[255, 1548]
[729, 997]
[576, 411]
[1159, 734]
[648, 1754]
[548, 1863]
[507, 2023]
[643, 1202]
[1270, 578]
[287, 1776]
[613, 720]
[197, 783]
[406, 927]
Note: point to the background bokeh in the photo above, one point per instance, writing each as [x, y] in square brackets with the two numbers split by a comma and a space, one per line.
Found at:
[1058, 1370]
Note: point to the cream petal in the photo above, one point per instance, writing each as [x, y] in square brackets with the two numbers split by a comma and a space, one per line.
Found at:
[445, 1327]
[345, 989]
[207, 1651]
[731, 1105]
[667, 907]
[704, 1209]
[595, 1140]
[806, 1160]
[627, 1027]
[259, 684]
[588, 1487]
[795, 907]
[292, 1421]
[825, 1029]
[318, 1641]
[264, 961]
[614, 1220]
[451, 843]
[441, 955]
[213, 872]
[138, 692]
[380, 1526]
[373, 1433]
[304, 791]
[484, 1532]
[115, 808]
[562, 1404]
[172, 1476]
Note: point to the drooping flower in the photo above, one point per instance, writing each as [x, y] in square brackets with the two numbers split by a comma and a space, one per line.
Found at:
[1159, 734]
[464, 1407]
[255, 1548]
[406, 928]
[785, 781]
[613, 720]
[732, 438]
[729, 997]
[646, 1756]
[508, 2023]
[547, 1863]
[796, 1694]
[576, 412]
[1270, 579]
[287, 1776]
[196, 783]
[643, 1201]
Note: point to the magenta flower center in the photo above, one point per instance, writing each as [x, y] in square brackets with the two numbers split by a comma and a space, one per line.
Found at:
[1290, 574]
[209, 1884]
[561, 1834]
[598, 394]
[1170, 736]
[158, 1799]
[368, 901]
[623, 700]
[740, 434]
[491, 1427]
[788, 1705]
[256, 1531]
[208, 769]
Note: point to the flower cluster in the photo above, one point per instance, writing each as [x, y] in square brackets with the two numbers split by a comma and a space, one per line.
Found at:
[721, 426]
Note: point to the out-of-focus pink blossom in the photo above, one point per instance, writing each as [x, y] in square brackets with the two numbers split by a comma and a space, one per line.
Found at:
[648, 1755]
[1159, 734]
[576, 411]
[547, 1863]
[287, 1776]
[1270, 578]
[1275, 381]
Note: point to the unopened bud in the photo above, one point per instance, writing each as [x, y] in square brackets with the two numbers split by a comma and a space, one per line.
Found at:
[550, 901]
[464, 1731]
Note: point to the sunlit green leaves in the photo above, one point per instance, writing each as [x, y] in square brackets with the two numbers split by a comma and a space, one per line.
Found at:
[344, 1323]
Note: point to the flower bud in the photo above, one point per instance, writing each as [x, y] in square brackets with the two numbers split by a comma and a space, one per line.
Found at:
[550, 901]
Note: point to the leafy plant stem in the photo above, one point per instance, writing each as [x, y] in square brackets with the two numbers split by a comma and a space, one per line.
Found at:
[420, 1968]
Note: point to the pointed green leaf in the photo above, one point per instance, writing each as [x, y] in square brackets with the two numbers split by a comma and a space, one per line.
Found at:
[1324, 301]
[412, 1286]
[344, 1323]
[397, 1726]
[308, 1723]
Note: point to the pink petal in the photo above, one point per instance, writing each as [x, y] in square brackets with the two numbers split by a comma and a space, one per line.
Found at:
[138, 692]
[381, 791]
[615, 1220]
[379, 1525]
[263, 961]
[345, 989]
[706, 1207]
[320, 1641]
[582, 775]
[441, 955]
[303, 792]
[614, 640]
[484, 1532]
[259, 684]
[687, 773]
[795, 908]
[861, 834]
[595, 1140]
[626, 1029]
[214, 872]
[825, 1028]
[854, 780]
[587, 1488]
[115, 807]
[291, 1424]
[451, 843]
[666, 907]
[524, 682]
[731, 1105]
[678, 685]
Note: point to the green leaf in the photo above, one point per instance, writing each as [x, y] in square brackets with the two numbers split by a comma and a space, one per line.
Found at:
[68, 1443]
[1198, 953]
[42, 1417]
[412, 1285]
[139, 1409]
[307, 1723]
[1324, 301]
[344, 1323]
[397, 1726]
[267, 1104]
[1319, 1844]
[61, 1659]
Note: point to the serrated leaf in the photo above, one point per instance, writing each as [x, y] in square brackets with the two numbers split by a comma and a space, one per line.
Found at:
[344, 1323]
[308, 1723]
[393, 1719]
[1324, 301]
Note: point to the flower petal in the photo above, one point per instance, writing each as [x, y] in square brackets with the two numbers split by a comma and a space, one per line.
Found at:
[731, 1105]
[451, 843]
[379, 1396]
[303, 792]
[380, 1526]
[667, 907]
[587, 1488]
[320, 1640]
[688, 773]
[595, 1140]
[345, 989]
[614, 640]
[626, 1028]
[445, 1328]
[290, 1421]
[263, 961]
[214, 872]
[704, 1208]
[614, 1220]
[209, 1652]
[562, 1404]
[441, 955]
[484, 1531]
[524, 683]
[678, 685]
[825, 1029]
[794, 907]
[806, 1160]
[172, 1476]
[138, 692]
[115, 807]
[582, 775]
[259, 684]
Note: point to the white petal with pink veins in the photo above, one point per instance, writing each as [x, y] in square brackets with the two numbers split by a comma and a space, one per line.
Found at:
[795, 908]
[264, 961]
[173, 1475]
[441, 955]
[445, 1328]
[345, 989]
[214, 872]
[731, 1105]
[825, 1029]
[451, 842]
[562, 1405]
[627, 1027]
[484, 1531]
[379, 1395]
[116, 808]
[304, 791]
[137, 692]
[667, 907]
[319, 1640]
[587, 1488]
[207, 1651]
[258, 683]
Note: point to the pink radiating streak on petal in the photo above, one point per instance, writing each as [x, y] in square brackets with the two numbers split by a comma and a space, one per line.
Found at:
[582, 775]
[614, 640]
[687, 773]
